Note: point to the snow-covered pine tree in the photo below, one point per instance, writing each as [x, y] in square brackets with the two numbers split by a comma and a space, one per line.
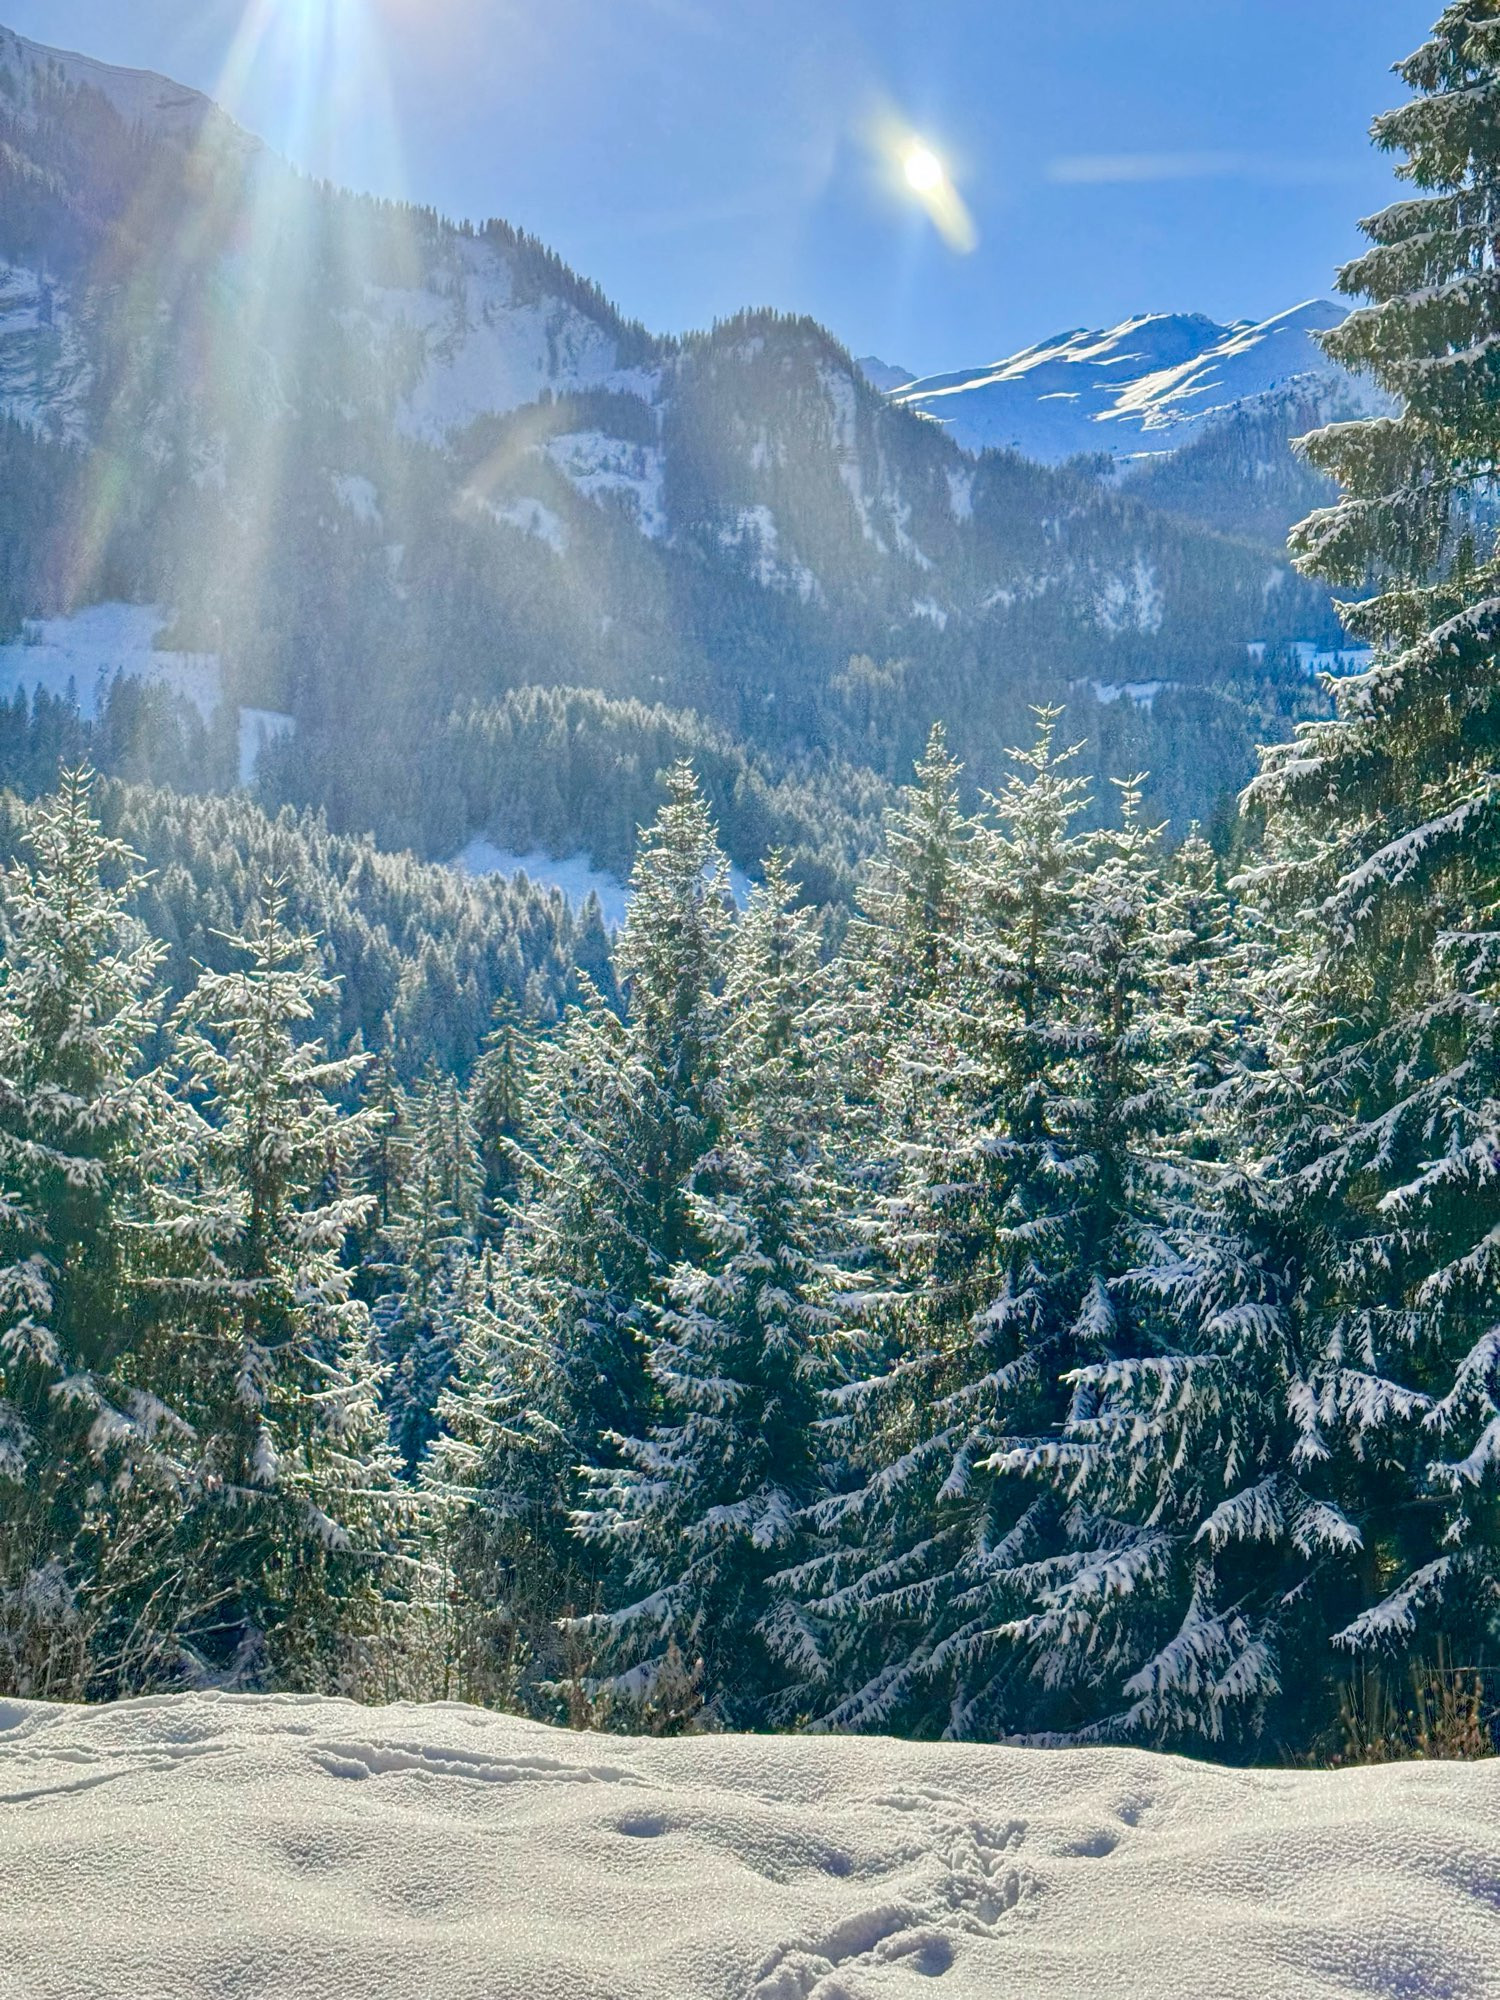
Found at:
[1385, 831]
[497, 1101]
[620, 1116]
[1140, 1621]
[432, 1233]
[1055, 1062]
[385, 1156]
[1306, 1488]
[709, 1509]
[295, 1488]
[969, 1086]
[90, 1455]
[902, 937]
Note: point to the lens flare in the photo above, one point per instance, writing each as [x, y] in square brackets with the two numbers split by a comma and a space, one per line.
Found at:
[912, 171]
[924, 171]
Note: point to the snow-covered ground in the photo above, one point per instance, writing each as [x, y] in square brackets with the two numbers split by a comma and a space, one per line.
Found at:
[258, 727]
[574, 874]
[76, 659]
[81, 656]
[210, 1846]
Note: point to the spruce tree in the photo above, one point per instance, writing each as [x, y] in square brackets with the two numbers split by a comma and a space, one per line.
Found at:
[968, 1087]
[1384, 826]
[432, 1233]
[1303, 1489]
[497, 1101]
[294, 1474]
[1136, 1624]
[711, 1507]
[90, 1453]
[1051, 1068]
[621, 1116]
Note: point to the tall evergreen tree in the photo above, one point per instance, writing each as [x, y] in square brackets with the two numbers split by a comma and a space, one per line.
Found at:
[89, 1451]
[710, 1508]
[1385, 841]
[294, 1471]
[432, 1234]
[1031, 1195]
[498, 1104]
[1305, 1488]
[621, 1116]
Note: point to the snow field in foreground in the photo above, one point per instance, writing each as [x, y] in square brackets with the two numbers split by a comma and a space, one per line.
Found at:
[215, 1846]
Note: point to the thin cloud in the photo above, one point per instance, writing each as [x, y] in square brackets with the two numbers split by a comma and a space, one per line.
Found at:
[1119, 169]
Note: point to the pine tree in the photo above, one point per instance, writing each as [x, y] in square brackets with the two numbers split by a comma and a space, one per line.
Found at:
[1304, 1488]
[1136, 1624]
[386, 1155]
[432, 1234]
[90, 1454]
[621, 1116]
[711, 1508]
[294, 1472]
[903, 936]
[498, 1103]
[1051, 1069]
[1384, 832]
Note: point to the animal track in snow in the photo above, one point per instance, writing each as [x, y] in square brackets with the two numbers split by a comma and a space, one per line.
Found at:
[978, 1885]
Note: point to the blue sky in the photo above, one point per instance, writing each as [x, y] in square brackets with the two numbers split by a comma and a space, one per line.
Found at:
[694, 156]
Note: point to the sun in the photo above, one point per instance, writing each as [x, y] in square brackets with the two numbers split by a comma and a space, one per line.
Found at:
[924, 171]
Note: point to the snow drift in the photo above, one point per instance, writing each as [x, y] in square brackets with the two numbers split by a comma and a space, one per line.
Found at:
[212, 1845]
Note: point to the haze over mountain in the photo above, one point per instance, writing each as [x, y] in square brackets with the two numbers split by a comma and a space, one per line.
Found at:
[386, 471]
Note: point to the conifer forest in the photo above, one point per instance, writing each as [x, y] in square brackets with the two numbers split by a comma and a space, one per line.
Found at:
[1026, 1268]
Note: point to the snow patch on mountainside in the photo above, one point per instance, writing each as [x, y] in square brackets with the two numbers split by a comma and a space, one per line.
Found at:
[480, 350]
[617, 471]
[210, 1846]
[574, 876]
[754, 530]
[358, 496]
[1141, 693]
[1134, 602]
[76, 659]
[260, 727]
[1147, 385]
[533, 518]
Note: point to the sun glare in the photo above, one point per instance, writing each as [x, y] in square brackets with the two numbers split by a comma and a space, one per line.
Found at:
[924, 170]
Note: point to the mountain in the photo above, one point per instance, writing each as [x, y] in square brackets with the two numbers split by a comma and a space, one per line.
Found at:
[883, 374]
[1147, 386]
[31, 75]
[384, 472]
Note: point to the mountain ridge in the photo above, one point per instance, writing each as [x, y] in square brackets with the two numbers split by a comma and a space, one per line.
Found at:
[383, 466]
[1150, 384]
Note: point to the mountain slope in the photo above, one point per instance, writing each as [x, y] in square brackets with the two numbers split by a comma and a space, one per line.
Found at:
[380, 466]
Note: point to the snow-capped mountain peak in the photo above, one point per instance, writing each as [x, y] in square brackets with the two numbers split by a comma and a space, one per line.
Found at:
[1146, 385]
